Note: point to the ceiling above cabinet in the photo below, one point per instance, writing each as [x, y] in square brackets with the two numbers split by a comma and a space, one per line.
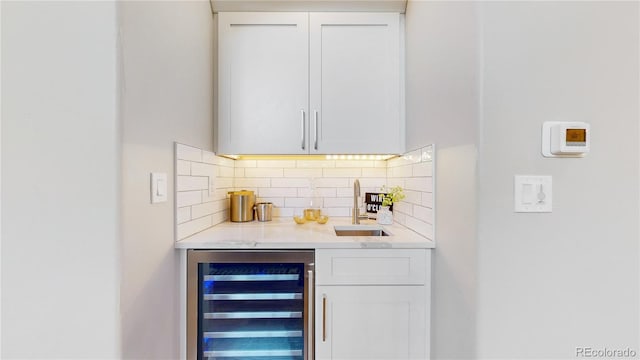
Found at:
[398, 6]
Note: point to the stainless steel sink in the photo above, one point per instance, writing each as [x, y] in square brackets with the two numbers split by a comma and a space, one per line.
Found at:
[360, 230]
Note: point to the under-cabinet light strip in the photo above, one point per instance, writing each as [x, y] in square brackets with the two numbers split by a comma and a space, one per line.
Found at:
[369, 157]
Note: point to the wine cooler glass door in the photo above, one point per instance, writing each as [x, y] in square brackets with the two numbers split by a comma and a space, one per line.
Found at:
[251, 305]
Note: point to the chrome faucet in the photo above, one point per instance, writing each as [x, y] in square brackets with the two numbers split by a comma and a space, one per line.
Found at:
[355, 215]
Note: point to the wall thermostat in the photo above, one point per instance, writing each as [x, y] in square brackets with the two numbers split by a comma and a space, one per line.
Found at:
[565, 139]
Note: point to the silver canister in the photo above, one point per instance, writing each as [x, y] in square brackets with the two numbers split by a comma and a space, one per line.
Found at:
[264, 211]
[241, 204]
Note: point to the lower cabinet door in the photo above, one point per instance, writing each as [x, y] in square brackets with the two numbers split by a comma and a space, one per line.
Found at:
[371, 322]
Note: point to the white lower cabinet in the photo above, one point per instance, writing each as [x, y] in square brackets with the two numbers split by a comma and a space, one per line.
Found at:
[364, 312]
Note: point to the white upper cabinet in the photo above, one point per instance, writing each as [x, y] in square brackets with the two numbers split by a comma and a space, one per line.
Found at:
[355, 83]
[309, 83]
[263, 96]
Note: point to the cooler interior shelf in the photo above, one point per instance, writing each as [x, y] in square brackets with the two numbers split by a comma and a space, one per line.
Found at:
[252, 311]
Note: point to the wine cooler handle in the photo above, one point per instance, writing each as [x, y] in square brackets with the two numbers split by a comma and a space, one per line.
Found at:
[324, 317]
[310, 340]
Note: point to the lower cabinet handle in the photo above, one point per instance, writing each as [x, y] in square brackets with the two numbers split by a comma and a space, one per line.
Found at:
[324, 317]
[303, 128]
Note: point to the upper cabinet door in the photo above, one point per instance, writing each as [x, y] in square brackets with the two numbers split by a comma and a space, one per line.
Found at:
[263, 67]
[355, 103]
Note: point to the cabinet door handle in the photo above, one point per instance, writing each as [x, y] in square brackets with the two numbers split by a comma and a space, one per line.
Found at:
[324, 317]
[315, 132]
[310, 294]
[303, 128]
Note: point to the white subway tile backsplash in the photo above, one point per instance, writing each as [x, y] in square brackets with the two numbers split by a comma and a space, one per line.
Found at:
[336, 212]
[303, 173]
[423, 213]
[251, 183]
[197, 171]
[402, 171]
[419, 184]
[277, 192]
[342, 172]
[318, 164]
[188, 183]
[406, 159]
[213, 197]
[403, 207]
[332, 182]
[200, 210]
[187, 198]
[183, 214]
[245, 163]
[282, 164]
[224, 171]
[183, 167]
[263, 172]
[345, 191]
[420, 227]
[219, 217]
[282, 212]
[291, 182]
[374, 173]
[184, 152]
[224, 183]
[375, 183]
[318, 192]
[423, 169]
[297, 202]
[427, 153]
[222, 161]
[192, 227]
[399, 217]
[427, 199]
[209, 158]
[413, 197]
[355, 164]
[338, 202]
[201, 169]
[218, 194]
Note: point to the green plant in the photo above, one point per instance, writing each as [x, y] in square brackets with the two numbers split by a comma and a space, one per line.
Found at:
[391, 195]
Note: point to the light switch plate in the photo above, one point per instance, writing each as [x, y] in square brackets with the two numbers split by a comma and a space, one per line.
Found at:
[158, 187]
[532, 193]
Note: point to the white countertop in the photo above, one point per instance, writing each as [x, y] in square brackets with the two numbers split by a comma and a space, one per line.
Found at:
[284, 233]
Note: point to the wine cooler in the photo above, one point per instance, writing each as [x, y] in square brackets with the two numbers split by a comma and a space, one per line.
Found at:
[250, 305]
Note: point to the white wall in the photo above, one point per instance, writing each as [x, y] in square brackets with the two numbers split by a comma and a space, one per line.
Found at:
[167, 93]
[60, 170]
[441, 108]
[548, 283]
